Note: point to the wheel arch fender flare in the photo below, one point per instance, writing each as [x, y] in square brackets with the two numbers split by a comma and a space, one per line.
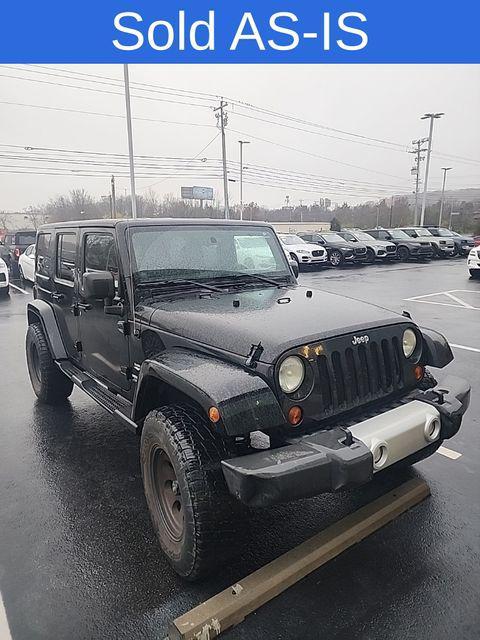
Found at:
[435, 348]
[40, 311]
[245, 401]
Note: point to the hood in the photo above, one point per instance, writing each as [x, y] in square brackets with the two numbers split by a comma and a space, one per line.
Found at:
[302, 246]
[278, 318]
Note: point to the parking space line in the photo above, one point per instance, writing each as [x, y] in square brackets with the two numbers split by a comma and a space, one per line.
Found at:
[461, 346]
[448, 453]
[4, 628]
[455, 299]
[18, 289]
[448, 294]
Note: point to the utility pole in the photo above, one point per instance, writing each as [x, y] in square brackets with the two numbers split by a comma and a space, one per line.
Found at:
[431, 117]
[444, 169]
[241, 143]
[416, 169]
[114, 200]
[130, 140]
[391, 212]
[222, 119]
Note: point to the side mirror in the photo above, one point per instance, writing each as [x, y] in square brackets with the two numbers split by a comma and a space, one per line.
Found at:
[98, 285]
[294, 267]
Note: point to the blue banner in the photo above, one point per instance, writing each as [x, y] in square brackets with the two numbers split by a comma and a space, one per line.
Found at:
[227, 31]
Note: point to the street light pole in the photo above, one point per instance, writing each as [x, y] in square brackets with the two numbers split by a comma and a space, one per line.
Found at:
[241, 143]
[444, 169]
[130, 140]
[431, 117]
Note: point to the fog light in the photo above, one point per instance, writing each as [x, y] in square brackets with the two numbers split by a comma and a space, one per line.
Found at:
[432, 430]
[295, 415]
[418, 372]
[379, 456]
[214, 414]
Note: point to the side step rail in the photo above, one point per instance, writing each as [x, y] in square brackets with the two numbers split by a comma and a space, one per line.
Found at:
[112, 402]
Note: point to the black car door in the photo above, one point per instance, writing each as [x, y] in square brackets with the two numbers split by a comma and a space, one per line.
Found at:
[105, 348]
[63, 294]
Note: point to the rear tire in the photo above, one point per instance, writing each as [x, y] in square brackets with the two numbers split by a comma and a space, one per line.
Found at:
[403, 254]
[194, 516]
[49, 383]
[4, 291]
[474, 273]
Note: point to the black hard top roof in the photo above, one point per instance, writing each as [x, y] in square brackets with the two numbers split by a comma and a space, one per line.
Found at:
[142, 222]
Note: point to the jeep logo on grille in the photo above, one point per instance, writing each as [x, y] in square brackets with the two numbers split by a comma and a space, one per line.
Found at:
[360, 340]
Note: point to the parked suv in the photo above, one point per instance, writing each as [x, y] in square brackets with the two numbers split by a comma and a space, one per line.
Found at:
[407, 248]
[340, 252]
[301, 251]
[442, 247]
[463, 244]
[14, 245]
[165, 326]
[376, 249]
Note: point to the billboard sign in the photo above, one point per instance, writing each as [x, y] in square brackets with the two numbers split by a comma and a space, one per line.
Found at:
[197, 193]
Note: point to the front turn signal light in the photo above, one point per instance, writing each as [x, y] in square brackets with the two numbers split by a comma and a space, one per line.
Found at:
[295, 415]
[214, 414]
[418, 372]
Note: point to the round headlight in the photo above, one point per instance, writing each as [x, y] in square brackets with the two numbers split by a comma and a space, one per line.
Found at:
[291, 374]
[409, 342]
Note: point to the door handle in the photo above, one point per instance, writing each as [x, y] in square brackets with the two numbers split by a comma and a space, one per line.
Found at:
[84, 306]
[57, 296]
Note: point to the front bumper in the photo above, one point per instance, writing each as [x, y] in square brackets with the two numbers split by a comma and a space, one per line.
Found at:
[339, 458]
[314, 259]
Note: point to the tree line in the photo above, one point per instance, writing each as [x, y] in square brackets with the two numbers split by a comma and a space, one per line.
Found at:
[78, 204]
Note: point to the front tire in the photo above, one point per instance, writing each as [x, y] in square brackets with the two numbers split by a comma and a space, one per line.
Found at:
[193, 514]
[4, 292]
[370, 256]
[336, 258]
[403, 254]
[50, 385]
[474, 273]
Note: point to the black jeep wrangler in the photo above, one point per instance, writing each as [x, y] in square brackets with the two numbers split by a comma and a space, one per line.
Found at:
[244, 387]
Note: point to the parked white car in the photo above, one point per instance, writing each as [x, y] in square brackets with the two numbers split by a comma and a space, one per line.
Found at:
[4, 278]
[473, 262]
[26, 264]
[302, 252]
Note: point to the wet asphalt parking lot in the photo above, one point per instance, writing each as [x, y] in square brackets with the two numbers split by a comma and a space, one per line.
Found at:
[78, 555]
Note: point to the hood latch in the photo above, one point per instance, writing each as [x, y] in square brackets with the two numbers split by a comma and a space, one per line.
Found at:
[253, 357]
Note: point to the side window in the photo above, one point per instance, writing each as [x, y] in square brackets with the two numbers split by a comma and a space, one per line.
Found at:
[43, 260]
[100, 253]
[66, 254]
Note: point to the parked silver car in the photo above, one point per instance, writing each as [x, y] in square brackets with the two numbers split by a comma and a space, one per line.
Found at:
[376, 249]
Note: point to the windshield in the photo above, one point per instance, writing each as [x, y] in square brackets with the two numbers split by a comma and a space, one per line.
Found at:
[363, 237]
[398, 234]
[25, 238]
[445, 233]
[291, 239]
[201, 252]
[333, 237]
[423, 232]
[349, 236]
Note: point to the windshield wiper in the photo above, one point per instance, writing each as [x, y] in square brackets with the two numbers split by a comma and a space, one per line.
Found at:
[161, 283]
[254, 276]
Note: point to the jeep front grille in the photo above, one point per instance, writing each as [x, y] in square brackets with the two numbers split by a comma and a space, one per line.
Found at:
[359, 374]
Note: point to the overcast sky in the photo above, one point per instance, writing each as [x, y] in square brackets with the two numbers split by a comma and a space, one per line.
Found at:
[381, 102]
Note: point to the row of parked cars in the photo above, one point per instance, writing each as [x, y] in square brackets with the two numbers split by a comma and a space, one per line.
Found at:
[350, 246]
[358, 246]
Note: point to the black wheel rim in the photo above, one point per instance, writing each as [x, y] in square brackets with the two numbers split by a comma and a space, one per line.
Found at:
[167, 491]
[35, 363]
